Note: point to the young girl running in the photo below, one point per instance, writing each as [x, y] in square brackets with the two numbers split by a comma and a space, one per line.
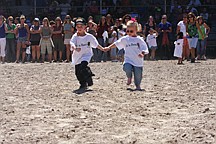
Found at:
[81, 45]
[135, 49]
[68, 32]
[46, 41]
[23, 33]
[35, 40]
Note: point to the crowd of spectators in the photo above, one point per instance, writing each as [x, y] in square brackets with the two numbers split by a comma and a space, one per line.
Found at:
[113, 19]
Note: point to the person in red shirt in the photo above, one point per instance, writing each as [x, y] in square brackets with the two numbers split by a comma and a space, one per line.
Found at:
[102, 27]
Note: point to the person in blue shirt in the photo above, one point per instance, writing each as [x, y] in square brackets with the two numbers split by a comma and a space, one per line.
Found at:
[165, 28]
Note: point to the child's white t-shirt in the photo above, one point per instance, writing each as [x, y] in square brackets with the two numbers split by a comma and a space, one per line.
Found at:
[133, 46]
[86, 43]
[178, 48]
[151, 40]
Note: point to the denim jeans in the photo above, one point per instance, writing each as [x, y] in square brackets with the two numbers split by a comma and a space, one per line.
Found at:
[201, 47]
[100, 54]
[10, 50]
[130, 69]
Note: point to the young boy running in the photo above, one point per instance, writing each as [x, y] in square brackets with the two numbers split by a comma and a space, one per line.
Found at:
[81, 45]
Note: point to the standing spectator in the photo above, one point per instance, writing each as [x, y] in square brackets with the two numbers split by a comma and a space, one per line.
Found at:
[109, 20]
[182, 27]
[193, 28]
[58, 39]
[165, 28]
[46, 41]
[149, 25]
[10, 40]
[126, 18]
[2, 38]
[35, 40]
[203, 33]
[68, 32]
[92, 29]
[102, 27]
[23, 33]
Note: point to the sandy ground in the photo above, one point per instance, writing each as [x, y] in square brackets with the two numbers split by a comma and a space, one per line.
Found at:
[178, 106]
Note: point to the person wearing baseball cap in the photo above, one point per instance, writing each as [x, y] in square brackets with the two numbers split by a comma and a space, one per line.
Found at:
[35, 39]
[81, 45]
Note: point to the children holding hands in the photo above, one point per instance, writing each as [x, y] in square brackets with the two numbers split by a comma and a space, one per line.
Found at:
[135, 49]
[81, 45]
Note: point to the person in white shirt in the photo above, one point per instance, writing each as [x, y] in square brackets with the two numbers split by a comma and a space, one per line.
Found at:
[182, 27]
[135, 49]
[179, 47]
[81, 45]
[152, 42]
[114, 38]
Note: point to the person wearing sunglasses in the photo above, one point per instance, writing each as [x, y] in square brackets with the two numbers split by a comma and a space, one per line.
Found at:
[68, 32]
[10, 40]
[135, 49]
[23, 32]
[192, 30]
[81, 45]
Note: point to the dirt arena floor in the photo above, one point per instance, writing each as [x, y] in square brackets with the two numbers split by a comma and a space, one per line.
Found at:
[178, 106]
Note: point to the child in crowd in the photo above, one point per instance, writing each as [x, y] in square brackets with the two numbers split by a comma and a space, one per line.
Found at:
[46, 41]
[135, 49]
[152, 42]
[114, 38]
[178, 52]
[121, 32]
[81, 45]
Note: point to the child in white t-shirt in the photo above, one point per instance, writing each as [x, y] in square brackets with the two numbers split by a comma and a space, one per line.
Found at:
[114, 38]
[179, 47]
[81, 45]
[152, 42]
[135, 49]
